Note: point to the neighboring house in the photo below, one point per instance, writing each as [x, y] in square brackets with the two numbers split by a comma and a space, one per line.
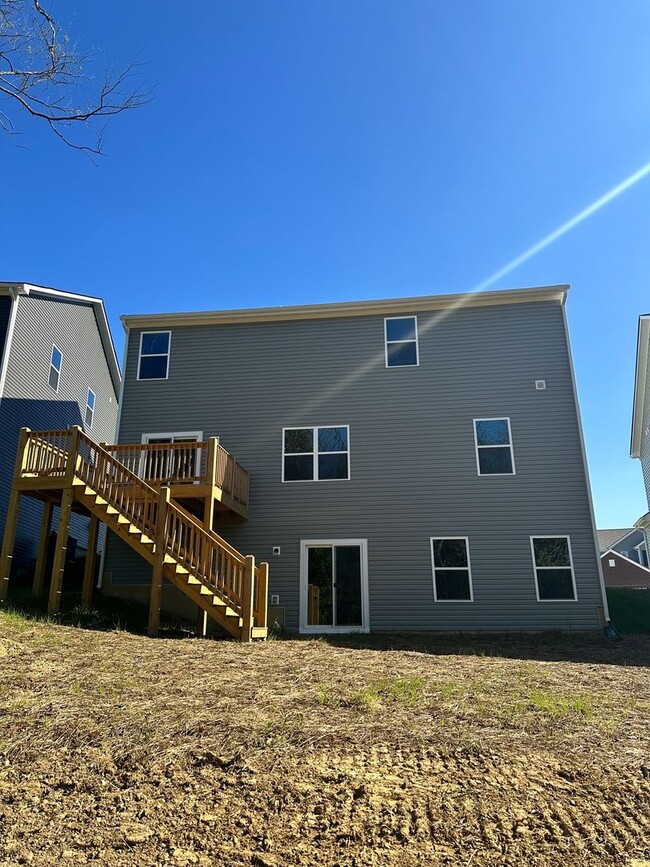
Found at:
[414, 463]
[629, 542]
[57, 368]
[621, 571]
[640, 445]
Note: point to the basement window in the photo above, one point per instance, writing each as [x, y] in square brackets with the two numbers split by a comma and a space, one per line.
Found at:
[493, 441]
[554, 575]
[452, 572]
[55, 368]
[315, 454]
[90, 408]
[401, 334]
[153, 362]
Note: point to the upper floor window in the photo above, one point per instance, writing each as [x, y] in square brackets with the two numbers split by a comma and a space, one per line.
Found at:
[153, 362]
[452, 573]
[90, 408]
[401, 334]
[493, 439]
[55, 368]
[554, 577]
[315, 453]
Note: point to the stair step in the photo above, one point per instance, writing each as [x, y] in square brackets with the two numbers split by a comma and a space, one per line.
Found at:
[259, 632]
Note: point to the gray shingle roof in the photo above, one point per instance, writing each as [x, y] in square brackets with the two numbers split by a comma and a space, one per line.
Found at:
[607, 538]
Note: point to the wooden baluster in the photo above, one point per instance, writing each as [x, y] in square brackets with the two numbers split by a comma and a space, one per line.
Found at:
[159, 562]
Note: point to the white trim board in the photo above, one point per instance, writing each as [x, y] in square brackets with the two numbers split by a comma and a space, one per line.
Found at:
[386, 307]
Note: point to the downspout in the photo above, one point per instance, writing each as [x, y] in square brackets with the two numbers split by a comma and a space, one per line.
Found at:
[584, 465]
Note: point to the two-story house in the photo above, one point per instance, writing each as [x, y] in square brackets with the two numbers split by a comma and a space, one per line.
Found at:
[57, 368]
[414, 463]
[640, 445]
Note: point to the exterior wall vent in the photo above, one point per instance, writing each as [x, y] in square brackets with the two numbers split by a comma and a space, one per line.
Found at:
[540, 384]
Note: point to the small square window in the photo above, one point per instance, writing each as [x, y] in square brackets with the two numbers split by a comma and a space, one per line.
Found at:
[315, 454]
[554, 576]
[401, 336]
[493, 442]
[153, 362]
[56, 360]
[90, 408]
[452, 576]
[612, 563]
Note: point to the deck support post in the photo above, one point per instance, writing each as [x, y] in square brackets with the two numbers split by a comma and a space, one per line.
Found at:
[247, 598]
[159, 562]
[89, 570]
[43, 544]
[60, 552]
[8, 543]
[11, 521]
[262, 594]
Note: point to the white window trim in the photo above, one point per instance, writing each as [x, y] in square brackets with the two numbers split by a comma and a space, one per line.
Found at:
[58, 381]
[154, 355]
[305, 544]
[386, 342]
[536, 567]
[467, 569]
[639, 548]
[315, 453]
[92, 409]
[503, 446]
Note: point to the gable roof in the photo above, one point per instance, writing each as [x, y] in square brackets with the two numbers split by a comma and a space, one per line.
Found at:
[640, 384]
[617, 555]
[103, 327]
[608, 538]
[386, 307]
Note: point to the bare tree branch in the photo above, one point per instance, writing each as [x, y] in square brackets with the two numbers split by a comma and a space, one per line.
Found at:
[42, 74]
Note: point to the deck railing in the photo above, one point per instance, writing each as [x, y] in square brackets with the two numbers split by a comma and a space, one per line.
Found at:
[205, 555]
[185, 463]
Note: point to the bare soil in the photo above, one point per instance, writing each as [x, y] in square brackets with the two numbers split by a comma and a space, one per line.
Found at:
[117, 749]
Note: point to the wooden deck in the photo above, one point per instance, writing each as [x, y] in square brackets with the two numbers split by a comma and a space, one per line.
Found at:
[145, 495]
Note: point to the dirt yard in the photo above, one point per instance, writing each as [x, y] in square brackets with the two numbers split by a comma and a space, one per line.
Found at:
[117, 749]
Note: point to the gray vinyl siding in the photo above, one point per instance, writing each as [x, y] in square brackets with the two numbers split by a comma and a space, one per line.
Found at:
[29, 401]
[413, 465]
[5, 311]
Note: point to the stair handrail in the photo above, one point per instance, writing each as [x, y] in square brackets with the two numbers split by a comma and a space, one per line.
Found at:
[192, 546]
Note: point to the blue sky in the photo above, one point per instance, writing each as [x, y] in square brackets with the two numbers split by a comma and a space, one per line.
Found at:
[305, 151]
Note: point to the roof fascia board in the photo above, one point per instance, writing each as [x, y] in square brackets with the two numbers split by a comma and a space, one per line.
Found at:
[349, 308]
[640, 384]
[625, 535]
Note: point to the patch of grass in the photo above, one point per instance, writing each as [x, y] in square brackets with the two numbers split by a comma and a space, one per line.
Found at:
[404, 691]
[629, 609]
[561, 705]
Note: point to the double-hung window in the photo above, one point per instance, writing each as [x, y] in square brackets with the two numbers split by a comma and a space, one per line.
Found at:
[315, 453]
[452, 572]
[554, 576]
[153, 362]
[493, 440]
[55, 368]
[90, 408]
[401, 335]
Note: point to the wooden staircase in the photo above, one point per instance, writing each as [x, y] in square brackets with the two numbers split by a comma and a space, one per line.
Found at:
[210, 572]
